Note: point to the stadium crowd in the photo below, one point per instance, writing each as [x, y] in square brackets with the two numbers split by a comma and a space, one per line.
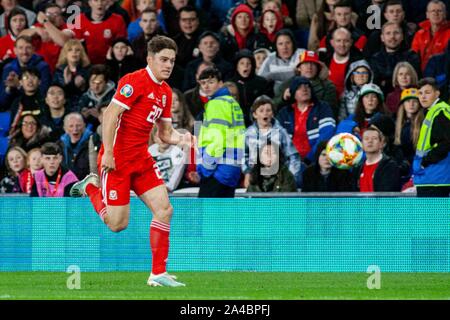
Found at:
[301, 71]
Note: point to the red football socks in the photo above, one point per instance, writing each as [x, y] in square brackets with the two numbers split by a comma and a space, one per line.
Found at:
[95, 195]
[159, 242]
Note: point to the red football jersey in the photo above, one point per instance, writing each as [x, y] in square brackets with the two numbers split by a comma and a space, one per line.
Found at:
[146, 100]
[100, 35]
[7, 46]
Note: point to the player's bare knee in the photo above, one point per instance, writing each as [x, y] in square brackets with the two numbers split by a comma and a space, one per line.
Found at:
[117, 227]
[166, 213]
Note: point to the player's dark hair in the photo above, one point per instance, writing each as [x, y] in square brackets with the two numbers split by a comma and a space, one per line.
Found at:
[210, 73]
[159, 43]
[51, 148]
[428, 81]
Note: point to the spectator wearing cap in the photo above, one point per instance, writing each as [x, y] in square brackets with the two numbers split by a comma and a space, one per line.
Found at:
[209, 49]
[343, 54]
[54, 180]
[9, 6]
[308, 120]
[187, 38]
[120, 59]
[431, 166]
[26, 58]
[370, 102]
[378, 173]
[271, 22]
[434, 33]
[249, 84]
[240, 33]
[384, 61]
[280, 65]
[314, 70]
[407, 126]
[359, 73]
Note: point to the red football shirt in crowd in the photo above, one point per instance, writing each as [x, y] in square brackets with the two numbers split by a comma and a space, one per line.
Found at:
[337, 75]
[300, 138]
[99, 35]
[7, 47]
[366, 177]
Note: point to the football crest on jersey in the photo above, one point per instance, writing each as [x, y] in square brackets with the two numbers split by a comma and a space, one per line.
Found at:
[126, 90]
[107, 33]
[164, 100]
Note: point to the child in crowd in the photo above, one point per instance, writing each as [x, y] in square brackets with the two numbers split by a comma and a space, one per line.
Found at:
[264, 128]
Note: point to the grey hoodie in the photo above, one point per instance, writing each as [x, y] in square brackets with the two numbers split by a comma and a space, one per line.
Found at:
[350, 96]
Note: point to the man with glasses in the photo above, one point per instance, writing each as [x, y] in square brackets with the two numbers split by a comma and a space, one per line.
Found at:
[48, 28]
[434, 34]
[188, 37]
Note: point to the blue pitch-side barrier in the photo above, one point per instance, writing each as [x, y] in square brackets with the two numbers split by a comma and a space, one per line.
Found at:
[277, 234]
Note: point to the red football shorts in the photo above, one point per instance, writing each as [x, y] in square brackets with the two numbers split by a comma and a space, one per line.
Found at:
[139, 175]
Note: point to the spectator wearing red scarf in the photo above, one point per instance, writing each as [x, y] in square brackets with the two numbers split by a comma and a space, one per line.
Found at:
[240, 34]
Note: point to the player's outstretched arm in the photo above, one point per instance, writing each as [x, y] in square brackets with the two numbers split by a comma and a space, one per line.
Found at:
[171, 136]
[110, 118]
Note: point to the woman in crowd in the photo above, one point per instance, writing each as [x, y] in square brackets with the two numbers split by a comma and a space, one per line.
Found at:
[404, 77]
[72, 70]
[30, 133]
[18, 178]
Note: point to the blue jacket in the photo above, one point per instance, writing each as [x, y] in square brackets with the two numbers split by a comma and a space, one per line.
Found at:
[36, 62]
[320, 124]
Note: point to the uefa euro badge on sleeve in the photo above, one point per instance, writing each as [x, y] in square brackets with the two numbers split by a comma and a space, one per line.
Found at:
[126, 91]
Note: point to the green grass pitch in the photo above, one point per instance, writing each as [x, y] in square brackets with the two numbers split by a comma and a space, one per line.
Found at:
[226, 285]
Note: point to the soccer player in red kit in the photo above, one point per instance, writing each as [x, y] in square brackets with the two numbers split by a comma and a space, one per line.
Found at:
[142, 100]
